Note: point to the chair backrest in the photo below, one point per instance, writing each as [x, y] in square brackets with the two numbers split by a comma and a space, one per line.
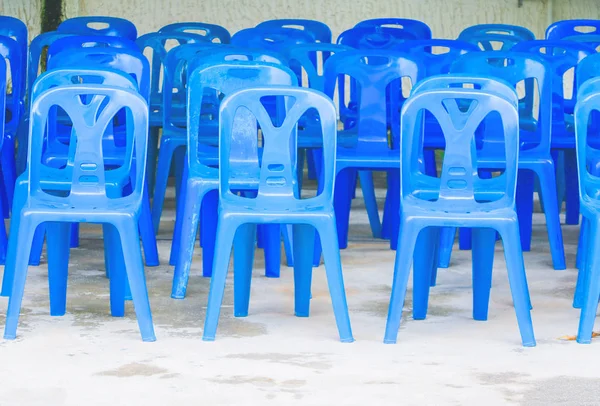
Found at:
[591, 40]
[99, 25]
[524, 34]
[86, 162]
[36, 48]
[16, 29]
[82, 76]
[562, 57]
[495, 37]
[588, 106]
[319, 30]
[567, 29]
[377, 76]
[515, 68]
[419, 29]
[241, 113]
[271, 39]
[132, 63]
[212, 32]
[459, 111]
[158, 43]
[437, 54]
[10, 50]
[374, 37]
[226, 77]
[178, 66]
[76, 42]
[465, 80]
[305, 57]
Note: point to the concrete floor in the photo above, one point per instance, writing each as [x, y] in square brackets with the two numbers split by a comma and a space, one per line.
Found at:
[271, 357]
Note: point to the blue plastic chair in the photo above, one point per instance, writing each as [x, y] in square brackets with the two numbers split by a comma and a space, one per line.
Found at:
[586, 70]
[371, 148]
[310, 59]
[99, 25]
[534, 157]
[437, 56]
[458, 198]
[136, 65]
[276, 200]
[174, 134]
[88, 199]
[158, 42]
[201, 178]
[562, 56]
[587, 290]
[52, 180]
[419, 29]
[489, 36]
[213, 32]
[271, 39]
[575, 30]
[10, 50]
[319, 30]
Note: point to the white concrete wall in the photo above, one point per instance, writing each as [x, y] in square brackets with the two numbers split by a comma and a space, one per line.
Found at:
[29, 11]
[446, 17]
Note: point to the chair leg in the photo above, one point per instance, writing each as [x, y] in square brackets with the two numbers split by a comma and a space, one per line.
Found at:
[189, 217]
[74, 235]
[243, 260]
[525, 186]
[58, 265]
[555, 238]
[484, 241]
[115, 269]
[3, 237]
[134, 267]
[394, 206]
[152, 156]
[368, 190]
[342, 204]
[208, 227]
[288, 244]
[311, 164]
[18, 259]
[9, 171]
[464, 239]
[272, 234]
[304, 236]
[423, 266]
[408, 235]
[572, 188]
[591, 287]
[179, 157]
[181, 198]
[38, 245]
[165, 155]
[146, 229]
[447, 235]
[518, 281]
[582, 256]
[226, 230]
[335, 280]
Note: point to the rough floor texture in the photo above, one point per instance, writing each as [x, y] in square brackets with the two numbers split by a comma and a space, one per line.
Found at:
[271, 357]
